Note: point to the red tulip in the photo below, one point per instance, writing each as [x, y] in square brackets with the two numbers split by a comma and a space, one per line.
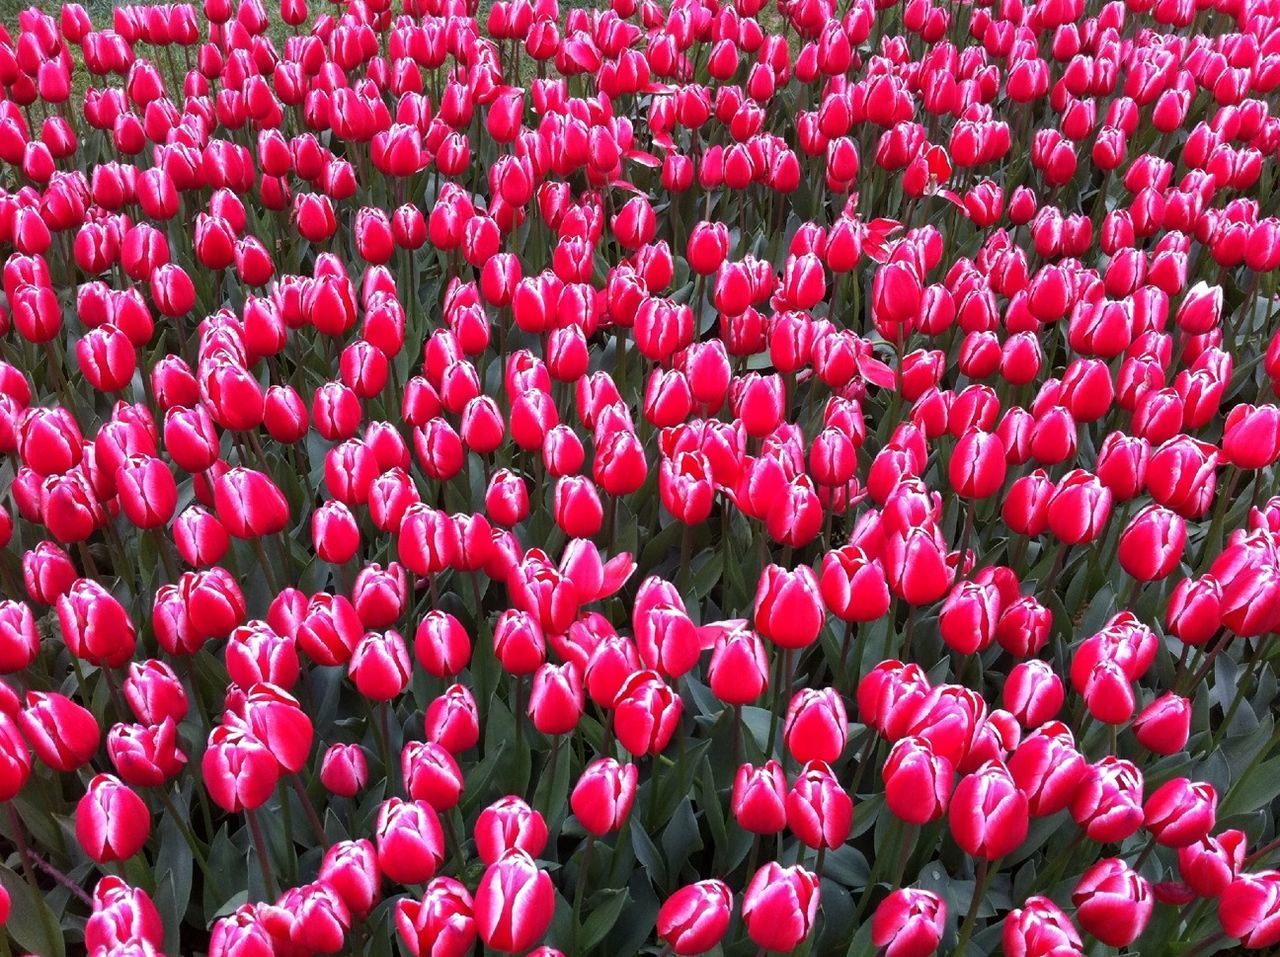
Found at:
[779, 906]
[514, 903]
[694, 919]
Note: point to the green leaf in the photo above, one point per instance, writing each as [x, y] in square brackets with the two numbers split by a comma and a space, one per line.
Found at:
[603, 917]
[681, 838]
[29, 926]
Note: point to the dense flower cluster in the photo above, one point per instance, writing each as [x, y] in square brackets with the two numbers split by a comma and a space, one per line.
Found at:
[676, 477]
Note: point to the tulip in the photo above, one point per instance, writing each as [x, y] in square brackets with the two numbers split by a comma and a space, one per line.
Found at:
[514, 903]
[604, 794]
[1211, 864]
[62, 734]
[694, 919]
[779, 906]
[917, 781]
[1165, 724]
[409, 841]
[816, 726]
[1113, 902]
[1249, 909]
[909, 923]
[989, 814]
[442, 924]
[788, 607]
[1039, 926]
[1179, 812]
[646, 713]
[819, 811]
[350, 869]
[506, 824]
[1151, 544]
[344, 770]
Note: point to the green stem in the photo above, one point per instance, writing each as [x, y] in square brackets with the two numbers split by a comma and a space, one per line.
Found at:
[986, 871]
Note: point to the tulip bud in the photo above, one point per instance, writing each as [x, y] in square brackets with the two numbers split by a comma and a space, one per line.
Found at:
[514, 903]
[779, 906]
[1113, 902]
[909, 923]
[604, 794]
[694, 919]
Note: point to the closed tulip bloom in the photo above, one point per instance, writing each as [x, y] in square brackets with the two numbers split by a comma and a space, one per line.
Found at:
[978, 465]
[989, 814]
[968, 618]
[1194, 612]
[1048, 769]
[1039, 928]
[452, 720]
[441, 645]
[1249, 909]
[556, 700]
[112, 822]
[1180, 812]
[1113, 902]
[278, 721]
[853, 585]
[917, 781]
[909, 923]
[19, 639]
[63, 735]
[1251, 436]
[409, 841]
[1164, 725]
[431, 774]
[249, 504]
[694, 919]
[442, 924]
[1151, 545]
[1033, 693]
[344, 770]
[379, 666]
[95, 625]
[759, 798]
[335, 532]
[816, 726]
[1108, 801]
[916, 566]
[646, 713]
[350, 869]
[514, 903]
[779, 906]
[604, 794]
[509, 823]
[1079, 507]
[145, 756]
[788, 606]
[239, 771]
[819, 810]
[1210, 865]
[121, 915]
[739, 670]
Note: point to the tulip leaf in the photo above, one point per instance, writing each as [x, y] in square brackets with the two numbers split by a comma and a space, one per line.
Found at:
[681, 838]
[647, 854]
[30, 922]
[602, 918]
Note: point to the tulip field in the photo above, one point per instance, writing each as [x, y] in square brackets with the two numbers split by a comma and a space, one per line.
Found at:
[665, 477]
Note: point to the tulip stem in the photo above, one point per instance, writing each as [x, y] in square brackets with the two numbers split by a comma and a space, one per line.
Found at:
[25, 856]
[185, 828]
[986, 871]
[1146, 852]
[580, 887]
[260, 847]
[308, 808]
